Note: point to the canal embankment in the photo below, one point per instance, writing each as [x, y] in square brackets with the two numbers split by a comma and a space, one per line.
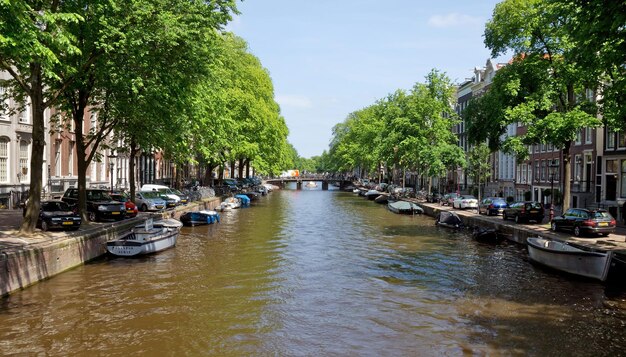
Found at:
[516, 232]
[26, 260]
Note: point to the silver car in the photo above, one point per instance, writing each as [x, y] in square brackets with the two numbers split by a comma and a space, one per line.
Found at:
[149, 201]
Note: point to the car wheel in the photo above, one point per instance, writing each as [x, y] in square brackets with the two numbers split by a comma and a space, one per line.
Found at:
[44, 226]
[144, 207]
[604, 234]
[503, 216]
[553, 226]
[517, 219]
[91, 216]
[577, 231]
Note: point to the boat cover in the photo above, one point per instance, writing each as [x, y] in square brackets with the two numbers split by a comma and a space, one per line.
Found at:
[450, 219]
[245, 200]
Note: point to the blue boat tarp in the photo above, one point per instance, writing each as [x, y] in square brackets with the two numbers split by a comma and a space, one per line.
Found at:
[245, 200]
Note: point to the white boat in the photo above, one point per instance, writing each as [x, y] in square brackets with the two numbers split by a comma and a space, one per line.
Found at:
[570, 259]
[310, 184]
[230, 203]
[147, 238]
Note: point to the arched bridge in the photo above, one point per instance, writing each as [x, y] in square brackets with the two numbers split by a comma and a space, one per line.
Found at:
[281, 181]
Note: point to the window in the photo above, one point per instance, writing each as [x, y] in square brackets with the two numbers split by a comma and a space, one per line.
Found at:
[623, 179]
[4, 160]
[23, 173]
[578, 165]
[611, 166]
[543, 170]
[70, 166]
[610, 139]
[24, 116]
[4, 104]
[537, 171]
[578, 138]
[588, 135]
[621, 140]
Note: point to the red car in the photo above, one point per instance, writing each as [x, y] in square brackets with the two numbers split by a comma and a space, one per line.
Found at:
[131, 208]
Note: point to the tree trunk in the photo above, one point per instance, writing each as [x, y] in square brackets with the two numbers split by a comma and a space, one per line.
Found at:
[81, 160]
[37, 153]
[240, 168]
[566, 176]
[232, 169]
[131, 167]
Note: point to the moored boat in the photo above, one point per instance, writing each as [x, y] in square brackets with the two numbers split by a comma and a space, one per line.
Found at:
[486, 235]
[404, 207]
[568, 258]
[382, 198]
[449, 219]
[372, 194]
[199, 218]
[147, 238]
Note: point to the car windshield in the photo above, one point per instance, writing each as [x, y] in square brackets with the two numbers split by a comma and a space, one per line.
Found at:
[534, 205]
[55, 207]
[98, 195]
[150, 195]
[176, 192]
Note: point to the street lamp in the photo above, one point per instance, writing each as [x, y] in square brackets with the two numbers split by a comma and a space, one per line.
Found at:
[111, 167]
[553, 166]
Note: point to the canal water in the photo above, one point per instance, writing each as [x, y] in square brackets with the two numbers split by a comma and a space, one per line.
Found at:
[317, 273]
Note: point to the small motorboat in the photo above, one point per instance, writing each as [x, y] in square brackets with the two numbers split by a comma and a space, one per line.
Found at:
[404, 207]
[382, 198]
[253, 196]
[372, 194]
[147, 238]
[199, 218]
[486, 235]
[568, 258]
[310, 184]
[449, 220]
[244, 199]
[230, 203]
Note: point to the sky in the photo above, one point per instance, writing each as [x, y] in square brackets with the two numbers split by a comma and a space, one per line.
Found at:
[329, 58]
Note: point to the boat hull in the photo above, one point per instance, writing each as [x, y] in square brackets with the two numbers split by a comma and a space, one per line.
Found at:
[141, 241]
[199, 218]
[567, 258]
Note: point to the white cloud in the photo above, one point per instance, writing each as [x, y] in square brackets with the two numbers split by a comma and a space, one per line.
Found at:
[454, 19]
[297, 101]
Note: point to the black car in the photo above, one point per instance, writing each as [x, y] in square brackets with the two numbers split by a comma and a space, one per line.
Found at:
[584, 221]
[99, 204]
[492, 206]
[57, 214]
[524, 211]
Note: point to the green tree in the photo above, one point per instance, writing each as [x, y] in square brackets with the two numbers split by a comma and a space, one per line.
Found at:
[479, 165]
[533, 30]
[34, 41]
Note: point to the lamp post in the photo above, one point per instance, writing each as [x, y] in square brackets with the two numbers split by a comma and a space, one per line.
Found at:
[111, 167]
[552, 166]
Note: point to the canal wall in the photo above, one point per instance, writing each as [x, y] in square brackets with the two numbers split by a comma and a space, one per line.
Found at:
[23, 264]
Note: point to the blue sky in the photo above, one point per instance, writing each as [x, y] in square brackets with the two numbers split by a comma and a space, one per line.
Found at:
[330, 58]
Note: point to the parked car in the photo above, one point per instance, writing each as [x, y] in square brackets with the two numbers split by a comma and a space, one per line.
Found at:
[149, 201]
[229, 185]
[99, 204]
[448, 198]
[465, 201]
[131, 208]
[57, 214]
[165, 192]
[492, 206]
[524, 211]
[584, 221]
[184, 198]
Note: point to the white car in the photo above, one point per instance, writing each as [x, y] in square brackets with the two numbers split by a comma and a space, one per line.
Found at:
[465, 201]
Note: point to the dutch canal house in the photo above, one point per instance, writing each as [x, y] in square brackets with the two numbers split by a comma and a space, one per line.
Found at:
[598, 161]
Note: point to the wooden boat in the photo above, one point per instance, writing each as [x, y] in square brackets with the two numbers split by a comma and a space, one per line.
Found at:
[404, 207]
[449, 219]
[147, 238]
[372, 194]
[487, 235]
[199, 218]
[568, 258]
[382, 198]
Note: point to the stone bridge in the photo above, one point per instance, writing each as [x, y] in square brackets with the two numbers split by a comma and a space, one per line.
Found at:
[281, 181]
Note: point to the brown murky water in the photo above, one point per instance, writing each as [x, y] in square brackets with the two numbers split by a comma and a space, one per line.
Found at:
[318, 273]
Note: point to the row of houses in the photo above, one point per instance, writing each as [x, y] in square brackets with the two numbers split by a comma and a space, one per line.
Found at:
[598, 177]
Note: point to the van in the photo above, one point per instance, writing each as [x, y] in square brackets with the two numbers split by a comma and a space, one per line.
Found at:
[163, 190]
